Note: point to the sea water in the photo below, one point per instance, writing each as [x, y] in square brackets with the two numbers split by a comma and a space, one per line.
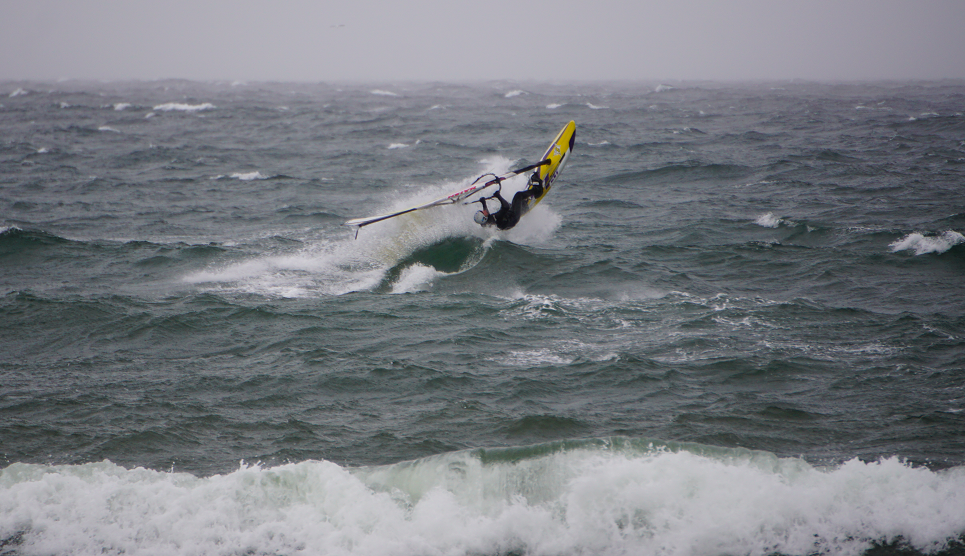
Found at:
[734, 326]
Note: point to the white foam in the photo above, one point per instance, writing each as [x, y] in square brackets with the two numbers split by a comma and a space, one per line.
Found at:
[18, 92]
[553, 106]
[397, 146]
[380, 92]
[180, 107]
[768, 220]
[415, 278]
[624, 500]
[515, 93]
[600, 144]
[43, 150]
[595, 107]
[922, 244]
[323, 268]
[119, 106]
[108, 128]
[564, 352]
[662, 88]
[248, 176]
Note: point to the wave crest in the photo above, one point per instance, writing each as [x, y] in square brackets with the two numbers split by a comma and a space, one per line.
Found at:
[922, 244]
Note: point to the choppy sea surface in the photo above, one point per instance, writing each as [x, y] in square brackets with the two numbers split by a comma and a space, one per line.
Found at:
[734, 326]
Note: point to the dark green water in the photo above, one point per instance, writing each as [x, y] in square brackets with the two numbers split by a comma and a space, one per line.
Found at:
[735, 326]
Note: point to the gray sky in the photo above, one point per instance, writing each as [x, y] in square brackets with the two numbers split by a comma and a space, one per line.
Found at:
[384, 40]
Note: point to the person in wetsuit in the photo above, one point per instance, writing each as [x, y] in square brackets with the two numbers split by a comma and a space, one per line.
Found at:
[508, 214]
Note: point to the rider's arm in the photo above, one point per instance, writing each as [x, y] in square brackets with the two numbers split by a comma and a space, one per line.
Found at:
[504, 205]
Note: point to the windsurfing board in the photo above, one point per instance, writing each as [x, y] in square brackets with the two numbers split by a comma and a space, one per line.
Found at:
[558, 154]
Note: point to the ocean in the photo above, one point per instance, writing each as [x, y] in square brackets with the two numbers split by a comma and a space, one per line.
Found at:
[735, 325]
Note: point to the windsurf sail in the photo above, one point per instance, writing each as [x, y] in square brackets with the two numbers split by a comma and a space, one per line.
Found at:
[476, 187]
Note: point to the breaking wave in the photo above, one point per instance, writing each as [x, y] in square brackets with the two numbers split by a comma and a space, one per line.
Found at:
[597, 496]
[922, 244]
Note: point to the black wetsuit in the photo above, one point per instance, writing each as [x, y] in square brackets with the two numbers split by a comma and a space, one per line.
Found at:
[510, 213]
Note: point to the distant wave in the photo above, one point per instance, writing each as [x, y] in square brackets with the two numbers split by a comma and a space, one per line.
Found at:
[922, 244]
[18, 92]
[768, 220]
[180, 107]
[249, 176]
[515, 93]
[383, 93]
[122, 106]
[16, 239]
[553, 106]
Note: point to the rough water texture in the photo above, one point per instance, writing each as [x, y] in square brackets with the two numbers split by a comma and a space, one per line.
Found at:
[735, 326]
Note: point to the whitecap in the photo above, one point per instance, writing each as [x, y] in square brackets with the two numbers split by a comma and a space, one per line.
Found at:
[662, 88]
[600, 144]
[18, 92]
[397, 146]
[383, 93]
[553, 106]
[108, 128]
[256, 175]
[768, 220]
[119, 106]
[922, 244]
[515, 93]
[181, 107]
[594, 107]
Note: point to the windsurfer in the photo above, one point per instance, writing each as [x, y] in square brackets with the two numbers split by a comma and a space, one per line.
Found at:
[508, 214]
